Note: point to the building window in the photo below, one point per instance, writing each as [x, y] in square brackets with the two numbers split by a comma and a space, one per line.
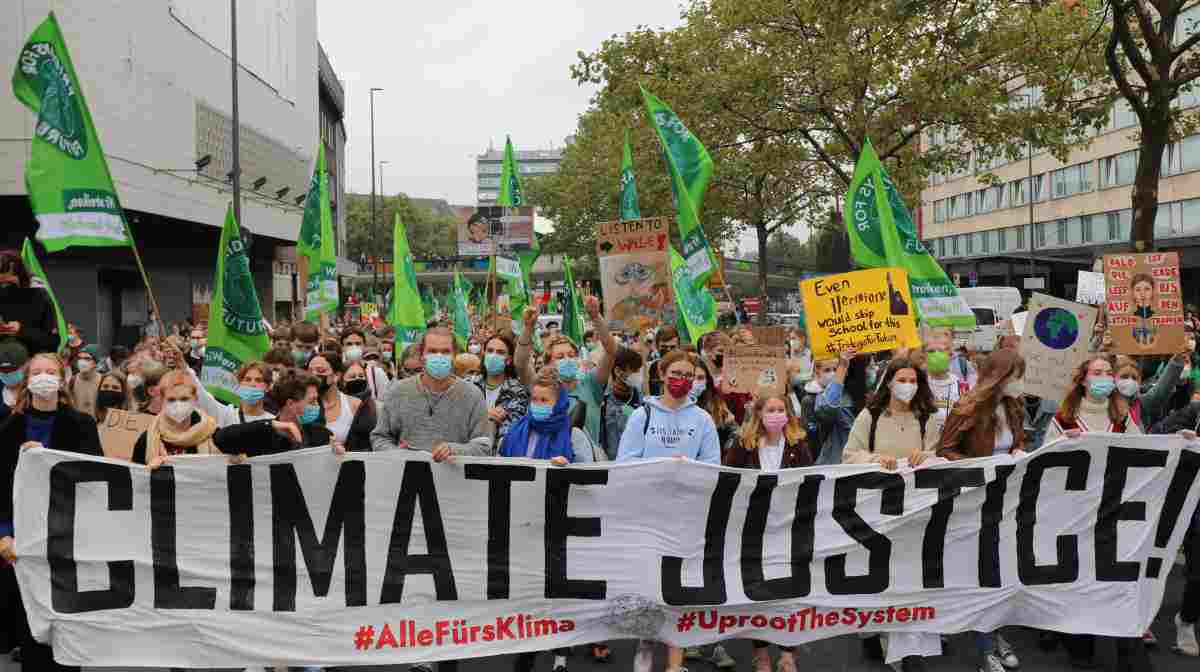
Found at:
[1002, 240]
[970, 243]
[954, 245]
[1118, 170]
[1019, 188]
[941, 247]
[1040, 187]
[1189, 150]
[1072, 180]
[1085, 228]
[939, 211]
[986, 238]
[1020, 237]
[1190, 217]
[1062, 232]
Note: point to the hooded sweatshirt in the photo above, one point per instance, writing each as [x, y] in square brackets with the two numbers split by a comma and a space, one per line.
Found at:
[834, 413]
[688, 431]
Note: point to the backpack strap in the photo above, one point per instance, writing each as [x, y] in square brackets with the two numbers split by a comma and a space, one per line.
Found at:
[874, 423]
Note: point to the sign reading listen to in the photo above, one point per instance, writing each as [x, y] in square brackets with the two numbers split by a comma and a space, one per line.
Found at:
[865, 310]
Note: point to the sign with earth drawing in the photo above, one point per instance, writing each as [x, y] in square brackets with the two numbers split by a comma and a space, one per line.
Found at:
[1054, 342]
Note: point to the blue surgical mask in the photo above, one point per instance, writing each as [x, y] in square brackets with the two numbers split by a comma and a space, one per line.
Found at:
[310, 414]
[541, 412]
[568, 368]
[250, 395]
[12, 378]
[438, 366]
[495, 364]
[1101, 386]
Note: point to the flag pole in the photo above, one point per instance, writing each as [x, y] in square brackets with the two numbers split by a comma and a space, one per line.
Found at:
[162, 328]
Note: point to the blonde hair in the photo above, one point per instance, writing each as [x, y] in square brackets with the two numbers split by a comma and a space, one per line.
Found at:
[175, 378]
[753, 433]
[25, 397]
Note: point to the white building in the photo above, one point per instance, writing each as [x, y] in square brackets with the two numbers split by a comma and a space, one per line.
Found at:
[156, 76]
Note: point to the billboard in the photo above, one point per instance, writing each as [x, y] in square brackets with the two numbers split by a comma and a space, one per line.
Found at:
[492, 229]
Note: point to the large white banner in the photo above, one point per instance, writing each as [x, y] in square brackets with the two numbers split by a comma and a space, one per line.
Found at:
[387, 558]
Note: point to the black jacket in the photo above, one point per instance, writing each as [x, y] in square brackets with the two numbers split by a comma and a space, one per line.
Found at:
[1187, 417]
[253, 439]
[73, 432]
[32, 308]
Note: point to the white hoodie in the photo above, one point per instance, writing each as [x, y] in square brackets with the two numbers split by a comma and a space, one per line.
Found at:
[688, 431]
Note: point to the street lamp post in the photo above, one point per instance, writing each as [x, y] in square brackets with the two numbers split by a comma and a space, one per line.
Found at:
[374, 266]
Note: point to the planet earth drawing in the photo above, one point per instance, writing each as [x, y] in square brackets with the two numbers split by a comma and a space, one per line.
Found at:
[1056, 328]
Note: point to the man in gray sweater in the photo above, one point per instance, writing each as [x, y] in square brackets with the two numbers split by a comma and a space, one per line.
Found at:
[434, 412]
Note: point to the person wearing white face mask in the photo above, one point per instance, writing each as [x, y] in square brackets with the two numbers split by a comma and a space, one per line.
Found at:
[82, 386]
[180, 429]
[42, 417]
[895, 425]
[1147, 408]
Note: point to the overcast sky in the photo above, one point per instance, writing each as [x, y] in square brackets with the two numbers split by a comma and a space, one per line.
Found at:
[457, 74]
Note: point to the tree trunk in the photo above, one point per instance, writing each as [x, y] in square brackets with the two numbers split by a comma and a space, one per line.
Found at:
[760, 228]
[1155, 138]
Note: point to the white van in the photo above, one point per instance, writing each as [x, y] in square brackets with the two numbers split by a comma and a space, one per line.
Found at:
[991, 305]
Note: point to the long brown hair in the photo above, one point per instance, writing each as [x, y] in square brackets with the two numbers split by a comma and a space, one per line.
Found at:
[25, 397]
[921, 405]
[978, 407]
[752, 429]
[1118, 407]
[711, 399]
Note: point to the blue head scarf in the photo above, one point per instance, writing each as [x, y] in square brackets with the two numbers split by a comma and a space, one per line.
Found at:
[553, 433]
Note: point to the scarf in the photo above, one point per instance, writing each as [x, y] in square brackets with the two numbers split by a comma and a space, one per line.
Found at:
[554, 433]
[198, 436]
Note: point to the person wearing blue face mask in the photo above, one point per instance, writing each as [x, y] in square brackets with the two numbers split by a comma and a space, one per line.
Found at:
[434, 412]
[505, 397]
[12, 360]
[1092, 404]
[297, 425]
[253, 379]
[583, 388]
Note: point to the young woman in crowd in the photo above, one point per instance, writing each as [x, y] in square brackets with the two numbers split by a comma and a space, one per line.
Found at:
[990, 420]
[1147, 408]
[112, 393]
[504, 395]
[28, 315]
[253, 378]
[42, 417]
[411, 363]
[348, 419]
[705, 395]
[895, 425]
[356, 381]
[835, 409]
[1093, 405]
[771, 439]
[645, 437]
[181, 428]
[12, 373]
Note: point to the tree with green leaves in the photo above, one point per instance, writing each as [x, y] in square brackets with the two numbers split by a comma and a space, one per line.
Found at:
[429, 233]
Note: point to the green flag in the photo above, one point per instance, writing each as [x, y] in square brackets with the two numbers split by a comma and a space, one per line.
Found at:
[39, 276]
[316, 243]
[628, 187]
[572, 322]
[511, 194]
[553, 306]
[236, 332]
[407, 314]
[67, 179]
[696, 307]
[427, 303]
[690, 168]
[458, 309]
[882, 234]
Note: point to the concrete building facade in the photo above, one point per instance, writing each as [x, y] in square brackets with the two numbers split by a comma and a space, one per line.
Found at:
[531, 163]
[157, 81]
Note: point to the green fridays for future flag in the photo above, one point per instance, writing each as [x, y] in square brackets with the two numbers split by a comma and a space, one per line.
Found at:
[511, 194]
[882, 234]
[67, 178]
[316, 243]
[35, 269]
[236, 333]
[691, 168]
[628, 193]
[406, 314]
[572, 323]
[458, 311]
[696, 306]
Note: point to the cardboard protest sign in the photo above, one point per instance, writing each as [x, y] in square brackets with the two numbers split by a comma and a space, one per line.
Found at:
[756, 369]
[1145, 309]
[866, 310]
[1055, 340]
[635, 272]
[775, 335]
[1090, 288]
[300, 557]
[120, 430]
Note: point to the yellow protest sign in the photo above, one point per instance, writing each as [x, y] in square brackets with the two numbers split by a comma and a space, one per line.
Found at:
[866, 310]
[370, 309]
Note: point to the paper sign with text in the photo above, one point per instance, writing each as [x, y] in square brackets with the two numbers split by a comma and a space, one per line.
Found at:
[866, 310]
[635, 272]
[1090, 288]
[1054, 342]
[1145, 308]
[120, 430]
[756, 369]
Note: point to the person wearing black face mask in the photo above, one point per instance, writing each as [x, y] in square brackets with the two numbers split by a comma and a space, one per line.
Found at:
[348, 418]
[26, 314]
[354, 382]
[112, 393]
